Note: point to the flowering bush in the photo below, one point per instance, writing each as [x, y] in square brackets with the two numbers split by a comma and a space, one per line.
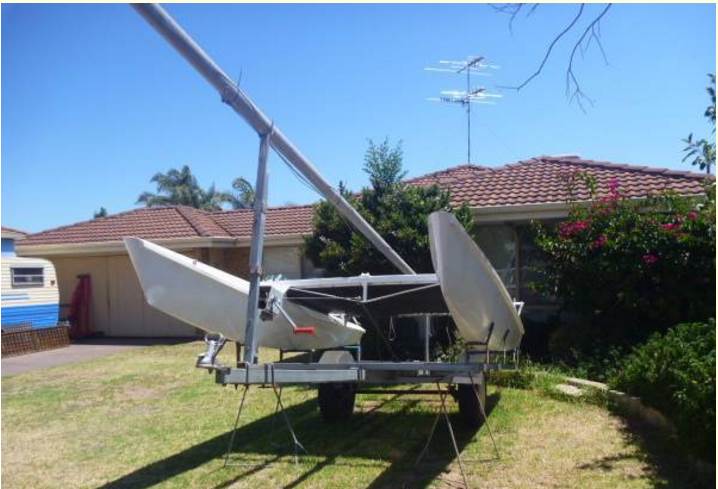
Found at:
[625, 268]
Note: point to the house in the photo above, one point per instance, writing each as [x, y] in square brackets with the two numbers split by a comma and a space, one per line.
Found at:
[504, 200]
[9, 236]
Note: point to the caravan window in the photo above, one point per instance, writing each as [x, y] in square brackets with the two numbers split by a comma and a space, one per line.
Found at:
[27, 277]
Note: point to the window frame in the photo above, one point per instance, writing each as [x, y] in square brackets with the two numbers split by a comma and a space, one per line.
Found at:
[33, 276]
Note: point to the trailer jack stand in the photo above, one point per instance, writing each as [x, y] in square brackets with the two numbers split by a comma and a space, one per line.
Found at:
[443, 412]
[215, 343]
[297, 445]
[486, 418]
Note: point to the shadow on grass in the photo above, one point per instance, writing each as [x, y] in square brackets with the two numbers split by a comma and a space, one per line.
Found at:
[671, 468]
[397, 435]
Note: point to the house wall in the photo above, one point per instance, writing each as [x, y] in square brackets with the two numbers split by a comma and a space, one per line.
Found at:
[118, 306]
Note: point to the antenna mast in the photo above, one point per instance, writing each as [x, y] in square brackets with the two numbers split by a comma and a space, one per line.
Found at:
[472, 65]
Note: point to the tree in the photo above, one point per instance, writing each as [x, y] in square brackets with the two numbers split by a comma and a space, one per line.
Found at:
[101, 213]
[180, 187]
[397, 211]
[243, 198]
[703, 151]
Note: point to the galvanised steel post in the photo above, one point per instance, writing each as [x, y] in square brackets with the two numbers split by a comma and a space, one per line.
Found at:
[163, 23]
[255, 253]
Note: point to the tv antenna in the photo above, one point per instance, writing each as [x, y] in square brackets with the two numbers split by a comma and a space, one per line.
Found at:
[473, 65]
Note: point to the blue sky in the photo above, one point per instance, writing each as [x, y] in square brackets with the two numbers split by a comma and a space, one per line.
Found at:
[94, 102]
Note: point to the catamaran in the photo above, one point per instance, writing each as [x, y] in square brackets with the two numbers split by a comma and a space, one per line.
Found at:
[324, 313]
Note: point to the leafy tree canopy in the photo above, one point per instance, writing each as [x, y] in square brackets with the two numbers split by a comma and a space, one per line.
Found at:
[702, 152]
[397, 211]
[180, 187]
[243, 196]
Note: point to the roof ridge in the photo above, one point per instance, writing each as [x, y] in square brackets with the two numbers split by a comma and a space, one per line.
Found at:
[192, 215]
[13, 230]
[182, 211]
[448, 170]
[270, 208]
[578, 161]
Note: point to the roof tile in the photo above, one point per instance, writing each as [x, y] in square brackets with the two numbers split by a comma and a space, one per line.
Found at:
[544, 179]
[539, 180]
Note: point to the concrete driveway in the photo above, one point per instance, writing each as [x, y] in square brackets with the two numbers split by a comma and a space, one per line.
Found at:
[79, 351]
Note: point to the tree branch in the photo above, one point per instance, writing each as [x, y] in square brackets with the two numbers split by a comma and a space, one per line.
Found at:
[573, 87]
[548, 51]
[511, 9]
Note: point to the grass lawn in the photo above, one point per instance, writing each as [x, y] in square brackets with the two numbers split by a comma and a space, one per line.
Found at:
[147, 417]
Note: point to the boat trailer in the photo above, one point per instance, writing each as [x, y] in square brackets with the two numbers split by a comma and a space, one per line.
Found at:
[338, 381]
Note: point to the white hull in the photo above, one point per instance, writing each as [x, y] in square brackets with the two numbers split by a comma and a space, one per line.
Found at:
[216, 302]
[472, 289]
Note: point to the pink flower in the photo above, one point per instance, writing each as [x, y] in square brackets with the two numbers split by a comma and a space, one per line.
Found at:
[650, 259]
[613, 186]
[669, 226]
[568, 229]
[600, 241]
[692, 216]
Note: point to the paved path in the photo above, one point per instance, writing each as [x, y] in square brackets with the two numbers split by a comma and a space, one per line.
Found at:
[78, 352]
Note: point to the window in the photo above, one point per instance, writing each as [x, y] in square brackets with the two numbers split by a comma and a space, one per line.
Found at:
[531, 262]
[28, 277]
[498, 242]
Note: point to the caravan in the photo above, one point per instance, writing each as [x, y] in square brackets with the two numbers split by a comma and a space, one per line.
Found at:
[30, 294]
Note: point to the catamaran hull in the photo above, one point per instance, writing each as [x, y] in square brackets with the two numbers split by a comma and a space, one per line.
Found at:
[477, 299]
[216, 302]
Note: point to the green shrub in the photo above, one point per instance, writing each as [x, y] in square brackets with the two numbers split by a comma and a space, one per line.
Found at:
[624, 268]
[675, 372]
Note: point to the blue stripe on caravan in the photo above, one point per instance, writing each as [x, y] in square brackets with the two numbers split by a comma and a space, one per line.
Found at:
[15, 297]
[40, 316]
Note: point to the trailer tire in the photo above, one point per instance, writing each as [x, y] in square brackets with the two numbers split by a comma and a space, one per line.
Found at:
[336, 400]
[469, 409]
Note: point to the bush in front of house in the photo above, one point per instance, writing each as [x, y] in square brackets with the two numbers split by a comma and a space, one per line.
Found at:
[399, 212]
[625, 268]
[675, 372]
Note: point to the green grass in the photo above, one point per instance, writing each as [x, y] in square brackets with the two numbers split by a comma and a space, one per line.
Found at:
[148, 417]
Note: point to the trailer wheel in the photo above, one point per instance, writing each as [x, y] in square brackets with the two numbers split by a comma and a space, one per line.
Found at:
[469, 409]
[336, 400]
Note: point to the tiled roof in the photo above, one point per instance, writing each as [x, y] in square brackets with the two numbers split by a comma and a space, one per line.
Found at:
[540, 180]
[281, 221]
[176, 222]
[6, 229]
[545, 179]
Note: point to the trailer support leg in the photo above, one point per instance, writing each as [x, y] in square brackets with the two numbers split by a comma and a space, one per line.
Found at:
[274, 416]
[234, 428]
[443, 412]
[297, 445]
[486, 418]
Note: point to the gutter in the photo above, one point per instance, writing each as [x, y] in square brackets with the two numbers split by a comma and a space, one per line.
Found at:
[526, 212]
[177, 244]
[521, 212]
